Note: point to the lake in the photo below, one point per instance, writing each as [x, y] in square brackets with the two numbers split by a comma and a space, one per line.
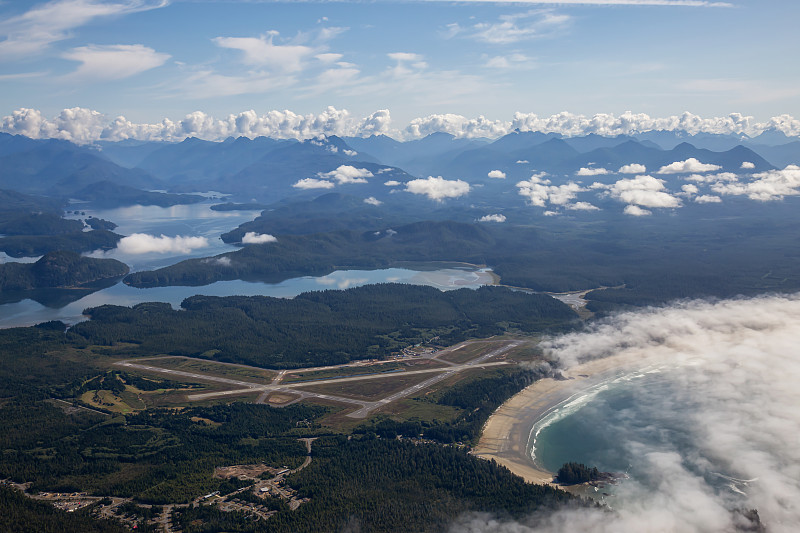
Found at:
[198, 220]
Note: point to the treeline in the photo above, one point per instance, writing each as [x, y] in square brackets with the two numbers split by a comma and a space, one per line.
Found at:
[476, 398]
[20, 514]
[390, 485]
[156, 456]
[572, 473]
[319, 328]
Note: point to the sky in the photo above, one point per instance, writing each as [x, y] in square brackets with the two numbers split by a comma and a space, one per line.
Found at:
[151, 60]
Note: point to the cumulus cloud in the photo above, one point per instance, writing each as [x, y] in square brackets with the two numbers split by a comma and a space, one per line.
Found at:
[689, 189]
[747, 165]
[345, 174]
[93, 126]
[114, 62]
[313, 183]
[689, 166]
[289, 125]
[633, 168]
[251, 237]
[497, 174]
[592, 171]
[540, 191]
[712, 178]
[717, 435]
[142, 243]
[438, 188]
[492, 218]
[641, 191]
[708, 199]
[372, 201]
[636, 211]
[392, 183]
[765, 186]
[581, 206]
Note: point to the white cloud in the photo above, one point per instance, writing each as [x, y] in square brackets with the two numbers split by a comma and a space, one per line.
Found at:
[765, 186]
[516, 61]
[725, 405]
[581, 206]
[708, 199]
[392, 183]
[492, 218]
[686, 167]
[676, 3]
[329, 58]
[405, 56]
[345, 174]
[636, 211]
[457, 125]
[522, 161]
[222, 261]
[313, 183]
[540, 191]
[438, 188]
[712, 178]
[35, 30]
[372, 201]
[633, 168]
[497, 174]
[114, 62]
[514, 28]
[263, 52]
[85, 125]
[592, 171]
[331, 121]
[642, 191]
[251, 237]
[747, 165]
[142, 243]
[689, 189]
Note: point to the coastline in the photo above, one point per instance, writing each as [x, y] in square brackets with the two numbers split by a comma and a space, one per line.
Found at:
[505, 435]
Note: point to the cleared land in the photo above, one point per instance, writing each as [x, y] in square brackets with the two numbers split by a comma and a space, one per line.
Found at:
[366, 386]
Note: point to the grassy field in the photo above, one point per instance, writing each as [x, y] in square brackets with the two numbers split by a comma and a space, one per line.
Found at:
[212, 368]
[360, 370]
[369, 389]
[467, 353]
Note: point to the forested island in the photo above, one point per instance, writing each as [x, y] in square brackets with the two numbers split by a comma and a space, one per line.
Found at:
[62, 269]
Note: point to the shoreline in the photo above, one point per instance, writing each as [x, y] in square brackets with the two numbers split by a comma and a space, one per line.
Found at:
[506, 433]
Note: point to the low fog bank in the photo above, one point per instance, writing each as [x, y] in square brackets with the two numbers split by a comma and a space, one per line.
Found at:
[718, 437]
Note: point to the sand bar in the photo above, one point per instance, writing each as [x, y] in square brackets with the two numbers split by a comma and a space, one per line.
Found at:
[506, 433]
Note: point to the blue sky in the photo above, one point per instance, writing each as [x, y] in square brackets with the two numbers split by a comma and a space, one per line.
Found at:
[155, 59]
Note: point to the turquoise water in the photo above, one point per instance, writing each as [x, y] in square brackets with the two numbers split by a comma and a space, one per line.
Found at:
[621, 423]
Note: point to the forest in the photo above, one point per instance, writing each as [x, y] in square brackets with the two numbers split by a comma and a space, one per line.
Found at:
[58, 270]
[646, 263]
[319, 328]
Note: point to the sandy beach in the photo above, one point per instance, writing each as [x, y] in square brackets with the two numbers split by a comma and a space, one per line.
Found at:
[506, 433]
